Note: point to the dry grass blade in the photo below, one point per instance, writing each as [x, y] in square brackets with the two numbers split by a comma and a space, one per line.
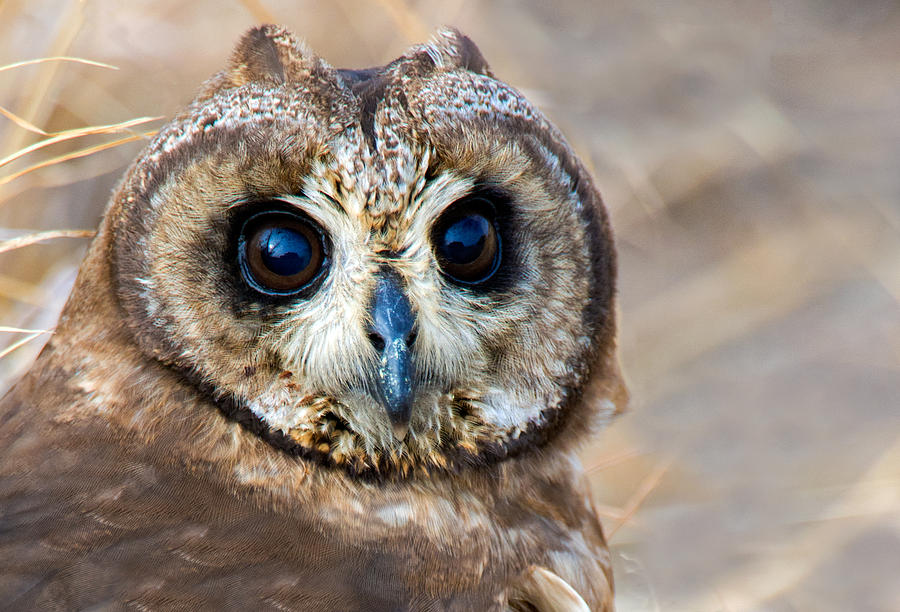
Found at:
[643, 491]
[607, 462]
[612, 513]
[58, 58]
[36, 105]
[19, 330]
[21, 241]
[9, 349]
[22, 123]
[76, 133]
[75, 155]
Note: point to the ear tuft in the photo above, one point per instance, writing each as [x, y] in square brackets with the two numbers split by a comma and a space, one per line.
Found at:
[449, 48]
[258, 55]
[270, 55]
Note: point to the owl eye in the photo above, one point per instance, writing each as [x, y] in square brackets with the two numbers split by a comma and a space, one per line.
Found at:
[280, 253]
[467, 242]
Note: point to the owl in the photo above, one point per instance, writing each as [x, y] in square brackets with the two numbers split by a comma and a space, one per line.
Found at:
[334, 347]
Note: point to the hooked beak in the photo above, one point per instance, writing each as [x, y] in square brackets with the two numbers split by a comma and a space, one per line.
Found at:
[391, 333]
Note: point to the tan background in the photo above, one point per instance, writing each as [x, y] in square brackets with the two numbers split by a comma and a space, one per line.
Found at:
[748, 152]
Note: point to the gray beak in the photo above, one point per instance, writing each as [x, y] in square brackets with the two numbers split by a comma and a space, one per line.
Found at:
[391, 333]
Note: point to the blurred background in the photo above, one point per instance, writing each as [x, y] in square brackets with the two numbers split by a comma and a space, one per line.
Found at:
[749, 153]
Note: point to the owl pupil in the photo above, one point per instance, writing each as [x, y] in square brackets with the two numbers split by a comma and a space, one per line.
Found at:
[285, 251]
[464, 240]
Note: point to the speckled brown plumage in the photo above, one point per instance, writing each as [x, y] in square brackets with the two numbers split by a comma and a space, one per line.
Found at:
[182, 442]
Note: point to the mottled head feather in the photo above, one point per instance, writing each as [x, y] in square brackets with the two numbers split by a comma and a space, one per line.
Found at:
[374, 156]
[449, 50]
[270, 55]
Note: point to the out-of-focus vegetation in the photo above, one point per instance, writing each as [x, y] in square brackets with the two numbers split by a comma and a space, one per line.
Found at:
[748, 152]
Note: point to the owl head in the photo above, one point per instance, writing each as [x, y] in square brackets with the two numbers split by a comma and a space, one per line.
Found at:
[392, 271]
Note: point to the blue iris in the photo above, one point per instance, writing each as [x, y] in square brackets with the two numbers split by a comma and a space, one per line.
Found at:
[285, 251]
[464, 239]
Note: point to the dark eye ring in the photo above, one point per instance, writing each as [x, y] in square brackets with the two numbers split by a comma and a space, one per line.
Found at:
[281, 253]
[466, 241]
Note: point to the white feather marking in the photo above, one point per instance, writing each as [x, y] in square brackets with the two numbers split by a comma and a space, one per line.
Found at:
[395, 515]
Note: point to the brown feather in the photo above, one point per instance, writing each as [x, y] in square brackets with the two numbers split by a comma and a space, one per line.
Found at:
[142, 459]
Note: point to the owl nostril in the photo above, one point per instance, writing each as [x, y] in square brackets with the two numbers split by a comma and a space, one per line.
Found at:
[377, 341]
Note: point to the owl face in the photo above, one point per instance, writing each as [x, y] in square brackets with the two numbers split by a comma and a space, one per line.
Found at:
[394, 271]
